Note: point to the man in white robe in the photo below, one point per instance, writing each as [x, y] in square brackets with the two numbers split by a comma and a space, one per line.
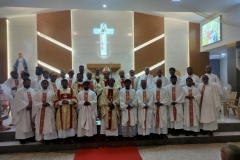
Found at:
[161, 101]
[71, 79]
[191, 108]
[44, 113]
[62, 76]
[212, 77]
[53, 86]
[26, 75]
[87, 112]
[172, 71]
[120, 81]
[134, 80]
[128, 106]
[177, 98]
[45, 77]
[92, 82]
[97, 77]
[39, 75]
[23, 101]
[145, 109]
[209, 106]
[160, 76]
[105, 82]
[190, 74]
[147, 77]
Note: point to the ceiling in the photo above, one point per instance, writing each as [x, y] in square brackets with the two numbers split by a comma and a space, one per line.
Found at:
[188, 10]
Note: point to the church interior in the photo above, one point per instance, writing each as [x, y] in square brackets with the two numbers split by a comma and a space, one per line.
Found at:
[125, 35]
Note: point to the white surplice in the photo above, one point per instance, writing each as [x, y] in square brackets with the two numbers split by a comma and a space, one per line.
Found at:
[160, 114]
[194, 77]
[49, 125]
[209, 108]
[39, 84]
[212, 78]
[22, 116]
[195, 109]
[134, 84]
[149, 80]
[164, 80]
[33, 84]
[169, 79]
[180, 98]
[54, 86]
[145, 116]
[87, 114]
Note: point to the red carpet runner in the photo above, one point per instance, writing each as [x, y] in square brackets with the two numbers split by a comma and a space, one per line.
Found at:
[122, 153]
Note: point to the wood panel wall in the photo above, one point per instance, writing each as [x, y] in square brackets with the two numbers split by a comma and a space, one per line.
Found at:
[147, 27]
[3, 50]
[198, 60]
[56, 25]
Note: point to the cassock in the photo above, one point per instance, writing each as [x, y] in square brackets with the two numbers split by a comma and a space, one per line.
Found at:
[129, 116]
[23, 117]
[109, 117]
[98, 78]
[77, 86]
[177, 95]
[164, 80]
[120, 83]
[212, 78]
[160, 120]
[169, 79]
[134, 84]
[145, 116]
[209, 107]
[54, 86]
[194, 77]
[44, 116]
[87, 114]
[191, 109]
[148, 78]
[66, 115]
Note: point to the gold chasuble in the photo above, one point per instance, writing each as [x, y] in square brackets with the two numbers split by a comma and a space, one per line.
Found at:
[110, 116]
[66, 116]
[77, 87]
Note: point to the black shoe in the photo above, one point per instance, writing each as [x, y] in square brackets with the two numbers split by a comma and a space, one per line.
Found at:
[187, 134]
[210, 133]
[194, 134]
[22, 141]
[204, 132]
[32, 139]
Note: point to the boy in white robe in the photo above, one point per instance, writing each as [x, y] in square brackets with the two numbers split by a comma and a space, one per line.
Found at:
[161, 100]
[43, 110]
[145, 110]
[87, 112]
[128, 106]
[209, 106]
[191, 108]
[23, 101]
[177, 97]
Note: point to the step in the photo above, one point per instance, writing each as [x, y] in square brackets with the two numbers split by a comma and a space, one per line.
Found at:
[219, 137]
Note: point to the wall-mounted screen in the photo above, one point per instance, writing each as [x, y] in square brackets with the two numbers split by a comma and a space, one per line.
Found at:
[211, 31]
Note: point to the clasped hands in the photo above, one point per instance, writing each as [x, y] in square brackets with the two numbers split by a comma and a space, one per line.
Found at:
[111, 105]
[189, 97]
[86, 103]
[46, 105]
[158, 104]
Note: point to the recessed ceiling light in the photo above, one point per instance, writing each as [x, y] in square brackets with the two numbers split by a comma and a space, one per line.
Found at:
[176, 0]
[223, 54]
[129, 34]
[104, 6]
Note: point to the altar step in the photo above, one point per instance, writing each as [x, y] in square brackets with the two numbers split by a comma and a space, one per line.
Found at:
[219, 137]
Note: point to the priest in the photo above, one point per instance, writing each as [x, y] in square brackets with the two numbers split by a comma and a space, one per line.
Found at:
[78, 85]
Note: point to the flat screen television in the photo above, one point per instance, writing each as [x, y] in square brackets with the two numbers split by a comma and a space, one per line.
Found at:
[212, 31]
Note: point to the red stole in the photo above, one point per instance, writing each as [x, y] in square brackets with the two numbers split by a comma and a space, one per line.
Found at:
[144, 100]
[106, 82]
[54, 87]
[16, 82]
[158, 108]
[91, 85]
[30, 103]
[44, 98]
[132, 80]
[110, 98]
[85, 96]
[146, 77]
[39, 78]
[190, 108]
[202, 93]
[80, 86]
[97, 79]
[127, 100]
[70, 83]
[122, 82]
[174, 99]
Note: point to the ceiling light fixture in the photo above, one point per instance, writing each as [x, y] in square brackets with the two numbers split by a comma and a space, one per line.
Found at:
[104, 6]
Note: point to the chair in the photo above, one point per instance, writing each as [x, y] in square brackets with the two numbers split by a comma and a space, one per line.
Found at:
[235, 108]
[231, 99]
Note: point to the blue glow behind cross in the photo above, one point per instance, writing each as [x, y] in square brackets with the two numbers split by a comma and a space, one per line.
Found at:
[103, 31]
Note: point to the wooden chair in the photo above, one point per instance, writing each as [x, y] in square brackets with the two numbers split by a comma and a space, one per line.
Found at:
[231, 99]
[235, 108]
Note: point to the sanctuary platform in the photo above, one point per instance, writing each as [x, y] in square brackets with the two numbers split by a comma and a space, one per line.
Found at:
[229, 131]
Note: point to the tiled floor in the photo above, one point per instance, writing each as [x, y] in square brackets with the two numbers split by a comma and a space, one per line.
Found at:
[167, 152]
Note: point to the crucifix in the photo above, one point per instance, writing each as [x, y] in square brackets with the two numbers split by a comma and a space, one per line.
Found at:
[103, 31]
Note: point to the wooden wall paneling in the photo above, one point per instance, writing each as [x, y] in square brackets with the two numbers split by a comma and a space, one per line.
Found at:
[3, 50]
[198, 60]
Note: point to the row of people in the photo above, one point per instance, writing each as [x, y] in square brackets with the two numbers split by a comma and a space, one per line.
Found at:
[123, 112]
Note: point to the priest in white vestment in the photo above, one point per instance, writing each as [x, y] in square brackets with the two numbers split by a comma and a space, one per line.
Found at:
[92, 82]
[78, 85]
[109, 105]
[23, 101]
[209, 106]
[26, 75]
[172, 71]
[212, 77]
[71, 79]
[97, 77]
[120, 81]
[62, 76]
[191, 108]
[177, 98]
[105, 82]
[44, 113]
[190, 74]
[160, 76]
[46, 76]
[134, 80]
[53, 86]
[161, 102]
[87, 112]
[147, 77]
[128, 107]
[39, 75]
[145, 110]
